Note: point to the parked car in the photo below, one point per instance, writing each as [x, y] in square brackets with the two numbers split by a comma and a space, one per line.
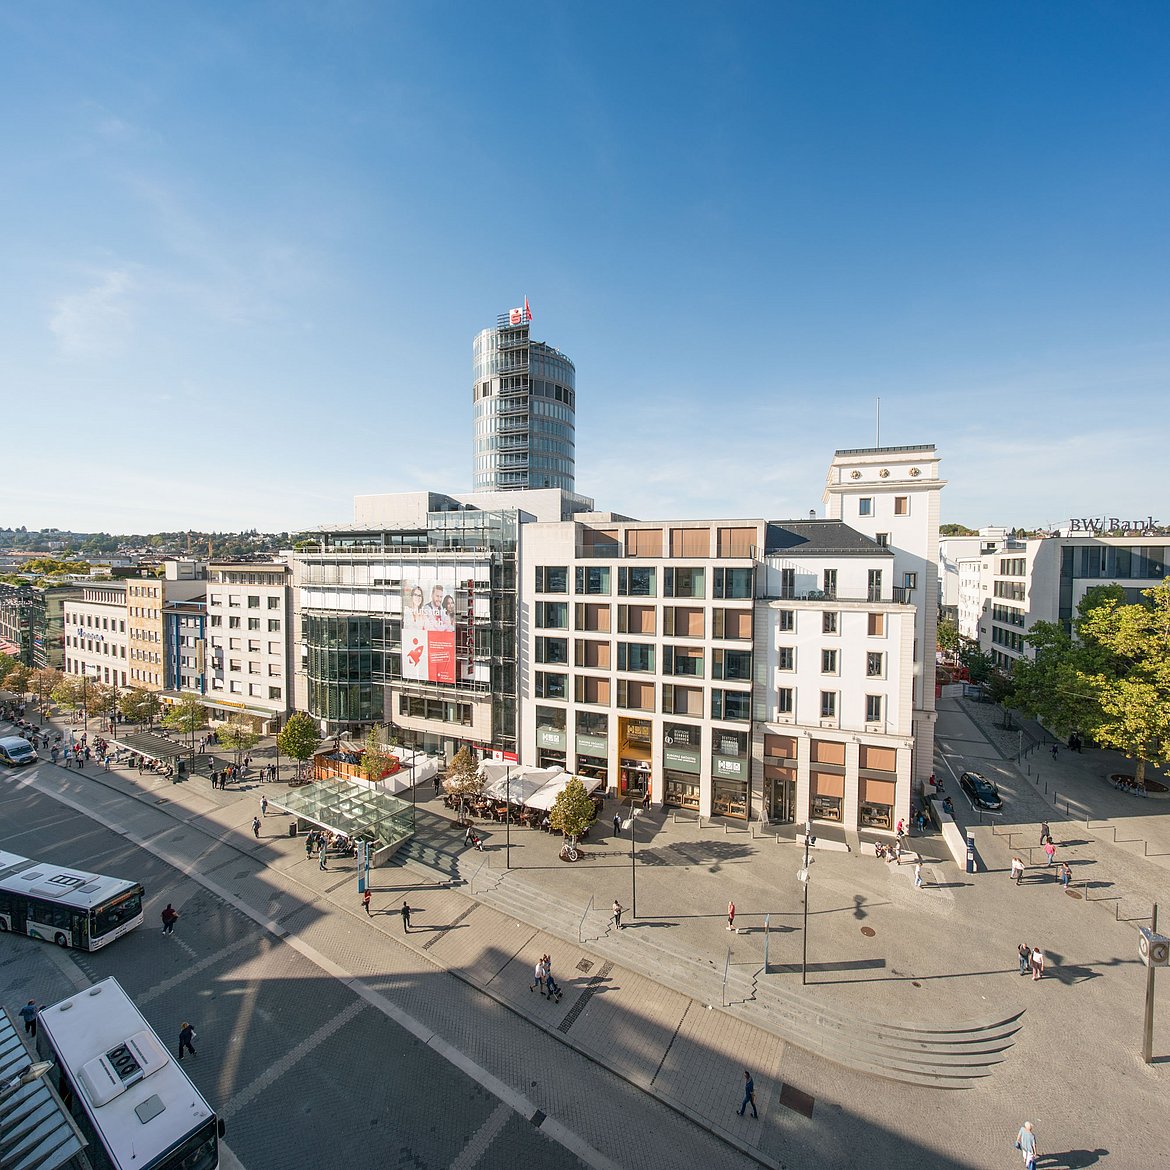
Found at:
[982, 792]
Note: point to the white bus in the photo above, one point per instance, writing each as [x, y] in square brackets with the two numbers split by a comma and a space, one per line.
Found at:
[127, 1093]
[67, 906]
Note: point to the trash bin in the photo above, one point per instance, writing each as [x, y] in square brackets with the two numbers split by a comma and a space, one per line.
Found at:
[292, 828]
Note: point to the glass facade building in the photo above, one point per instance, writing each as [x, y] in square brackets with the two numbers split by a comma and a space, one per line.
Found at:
[525, 401]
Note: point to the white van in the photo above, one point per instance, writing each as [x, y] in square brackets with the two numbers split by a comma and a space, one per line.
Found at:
[14, 750]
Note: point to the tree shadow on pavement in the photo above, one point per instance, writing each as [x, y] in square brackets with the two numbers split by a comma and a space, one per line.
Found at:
[712, 854]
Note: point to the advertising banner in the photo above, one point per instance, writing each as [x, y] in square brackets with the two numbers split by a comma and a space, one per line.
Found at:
[432, 614]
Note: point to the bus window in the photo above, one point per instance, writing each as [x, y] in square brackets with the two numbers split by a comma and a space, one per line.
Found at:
[113, 914]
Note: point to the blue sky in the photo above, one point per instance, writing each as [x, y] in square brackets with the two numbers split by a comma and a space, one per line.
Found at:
[247, 247]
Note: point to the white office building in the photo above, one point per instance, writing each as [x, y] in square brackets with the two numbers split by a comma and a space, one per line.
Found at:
[96, 641]
[249, 642]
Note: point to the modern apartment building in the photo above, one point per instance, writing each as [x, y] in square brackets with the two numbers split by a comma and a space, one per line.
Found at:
[32, 623]
[249, 642]
[525, 402]
[97, 634]
[952, 552]
[1045, 579]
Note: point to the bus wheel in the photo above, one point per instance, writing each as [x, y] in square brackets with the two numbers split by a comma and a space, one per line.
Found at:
[3, 925]
[60, 939]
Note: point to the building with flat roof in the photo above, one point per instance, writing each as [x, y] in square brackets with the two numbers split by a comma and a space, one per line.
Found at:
[524, 407]
[96, 634]
[1045, 579]
[778, 670]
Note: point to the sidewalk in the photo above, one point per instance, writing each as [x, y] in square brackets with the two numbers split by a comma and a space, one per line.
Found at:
[887, 964]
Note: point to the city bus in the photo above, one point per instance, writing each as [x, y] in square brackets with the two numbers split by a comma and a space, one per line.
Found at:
[129, 1096]
[67, 906]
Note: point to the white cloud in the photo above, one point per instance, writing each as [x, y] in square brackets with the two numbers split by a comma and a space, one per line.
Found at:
[96, 320]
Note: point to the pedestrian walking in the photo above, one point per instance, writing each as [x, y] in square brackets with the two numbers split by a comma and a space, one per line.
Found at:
[616, 916]
[646, 799]
[1045, 833]
[730, 915]
[322, 860]
[918, 875]
[256, 828]
[1026, 1144]
[554, 989]
[1025, 953]
[538, 976]
[1054, 749]
[749, 1094]
[28, 1013]
[405, 917]
[366, 898]
[1017, 869]
[264, 805]
[469, 836]
[186, 1035]
[900, 829]
[617, 824]
[169, 917]
[309, 847]
[1037, 964]
[1050, 850]
[1065, 875]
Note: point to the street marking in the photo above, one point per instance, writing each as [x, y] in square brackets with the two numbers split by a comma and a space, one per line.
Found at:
[482, 1138]
[510, 1097]
[250, 1092]
[168, 984]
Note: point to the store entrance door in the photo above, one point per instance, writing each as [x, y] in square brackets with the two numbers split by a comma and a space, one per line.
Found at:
[781, 794]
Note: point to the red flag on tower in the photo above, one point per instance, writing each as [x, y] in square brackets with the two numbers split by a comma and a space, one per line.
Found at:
[527, 311]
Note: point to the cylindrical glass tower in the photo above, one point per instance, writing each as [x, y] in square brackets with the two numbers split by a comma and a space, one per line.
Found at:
[525, 401]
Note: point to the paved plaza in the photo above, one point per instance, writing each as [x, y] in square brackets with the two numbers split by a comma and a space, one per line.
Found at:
[433, 1041]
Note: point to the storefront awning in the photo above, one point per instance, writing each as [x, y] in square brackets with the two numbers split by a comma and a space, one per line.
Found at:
[153, 747]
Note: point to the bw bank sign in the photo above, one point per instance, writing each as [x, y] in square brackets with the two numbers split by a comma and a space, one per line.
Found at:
[1102, 524]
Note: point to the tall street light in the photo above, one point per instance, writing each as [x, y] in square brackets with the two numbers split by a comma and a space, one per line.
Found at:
[85, 695]
[508, 817]
[809, 841]
[630, 824]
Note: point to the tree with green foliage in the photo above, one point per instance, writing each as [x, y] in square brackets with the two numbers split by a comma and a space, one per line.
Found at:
[299, 738]
[68, 693]
[1132, 681]
[16, 679]
[50, 566]
[7, 662]
[42, 682]
[572, 811]
[187, 716]
[376, 762]
[956, 530]
[980, 665]
[948, 635]
[139, 705]
[238, 736]
[463, 779]
[98, 698]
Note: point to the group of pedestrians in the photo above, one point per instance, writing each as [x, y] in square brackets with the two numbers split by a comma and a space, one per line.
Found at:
[543, 978]
[1031, 960]
[1063, 872]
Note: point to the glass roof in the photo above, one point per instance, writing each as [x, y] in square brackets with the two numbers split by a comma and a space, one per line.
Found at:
[358, 810]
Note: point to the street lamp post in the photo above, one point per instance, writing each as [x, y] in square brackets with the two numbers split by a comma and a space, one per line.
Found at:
[809, 841]
[85, 695]
[634, 812]
[508, 817]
